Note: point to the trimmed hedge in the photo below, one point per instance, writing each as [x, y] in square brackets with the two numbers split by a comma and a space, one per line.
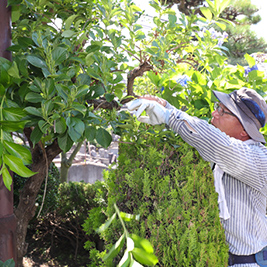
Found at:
[173, 191]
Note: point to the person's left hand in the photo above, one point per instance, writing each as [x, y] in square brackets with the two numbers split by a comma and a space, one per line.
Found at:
[161, 101]
[157, 114]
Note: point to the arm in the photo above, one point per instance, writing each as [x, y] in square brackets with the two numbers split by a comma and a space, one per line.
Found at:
[245, 162]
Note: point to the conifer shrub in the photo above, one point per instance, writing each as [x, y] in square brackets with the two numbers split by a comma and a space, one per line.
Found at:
[172, 189]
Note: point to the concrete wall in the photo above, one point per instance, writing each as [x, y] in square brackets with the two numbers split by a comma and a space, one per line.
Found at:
[88, 172]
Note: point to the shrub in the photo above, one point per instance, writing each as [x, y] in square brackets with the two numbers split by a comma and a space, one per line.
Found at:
[59, 234]
[173, 191]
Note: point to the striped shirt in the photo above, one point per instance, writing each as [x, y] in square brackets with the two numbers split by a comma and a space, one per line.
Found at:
[244, 180]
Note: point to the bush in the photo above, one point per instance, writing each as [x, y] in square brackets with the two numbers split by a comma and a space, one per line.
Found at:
[59, 234]
[173, 191]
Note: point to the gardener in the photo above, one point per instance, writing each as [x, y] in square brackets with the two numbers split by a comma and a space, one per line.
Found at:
[234, 146]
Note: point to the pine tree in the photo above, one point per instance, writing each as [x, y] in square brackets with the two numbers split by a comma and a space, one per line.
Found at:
[241, 39]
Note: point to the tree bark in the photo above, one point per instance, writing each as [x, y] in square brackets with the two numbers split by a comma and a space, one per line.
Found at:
[7, 218]
[42, 158]
[67, 162]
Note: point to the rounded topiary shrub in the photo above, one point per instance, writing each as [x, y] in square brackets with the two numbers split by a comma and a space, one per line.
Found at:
[173, 191]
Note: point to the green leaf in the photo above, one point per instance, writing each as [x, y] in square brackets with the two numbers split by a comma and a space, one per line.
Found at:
[68, 33]
[8, 263]
[144, 258]
[36, 135]
[65, 142]
[105, 225]
[47, 107]
[14, 71]
[90, 133]
[223, 5]
[207, 13]
[103, 137]
[82, 90]
[129, 217]
[172, 20]
[12, 126]
[1, 149]
[13, 114]
[251, 61]
[109, 97]
[79, 107]
[18, 151]
[125, 260]
[60, 125]
[154, 77]
[115, 249]
[6, 177]
[221, 25]
[36, 61]
[33, 111]
[15, 13]
[33, 97]
[69, 21]
[75, 128]
[59, 55]
[43, 125]
[25, 42]
[93, 74]
[93, 48]
[2, 90]
[255, 75]
[142, 243]
[97, 91]
[16, 165]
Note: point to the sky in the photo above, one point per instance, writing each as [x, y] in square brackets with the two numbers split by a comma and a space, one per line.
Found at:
[261, 27]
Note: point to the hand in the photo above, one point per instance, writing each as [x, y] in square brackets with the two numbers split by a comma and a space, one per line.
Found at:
[157, 114]
[161, 101]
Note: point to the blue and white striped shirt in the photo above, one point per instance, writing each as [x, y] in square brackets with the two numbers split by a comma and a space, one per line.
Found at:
[245, 180]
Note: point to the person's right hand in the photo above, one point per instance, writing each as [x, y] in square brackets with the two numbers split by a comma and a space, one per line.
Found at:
[161, 101]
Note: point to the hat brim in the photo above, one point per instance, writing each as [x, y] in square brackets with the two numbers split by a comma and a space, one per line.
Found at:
[246, 122]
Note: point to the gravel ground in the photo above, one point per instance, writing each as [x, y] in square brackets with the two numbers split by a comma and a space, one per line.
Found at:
[28, 262]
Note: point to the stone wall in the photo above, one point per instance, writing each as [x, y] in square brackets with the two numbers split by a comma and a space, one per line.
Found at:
[90, 162]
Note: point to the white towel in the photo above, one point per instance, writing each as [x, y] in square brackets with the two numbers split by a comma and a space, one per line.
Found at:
[219, 188]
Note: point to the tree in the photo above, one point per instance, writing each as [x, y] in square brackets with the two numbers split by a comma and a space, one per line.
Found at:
[241, 39]
[65, 83]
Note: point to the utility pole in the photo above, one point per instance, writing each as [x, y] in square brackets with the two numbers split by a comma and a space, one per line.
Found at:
[7, 218]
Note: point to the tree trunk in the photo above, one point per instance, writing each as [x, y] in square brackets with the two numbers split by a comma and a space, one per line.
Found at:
[66, 163]
[42, 158]
[7, 218]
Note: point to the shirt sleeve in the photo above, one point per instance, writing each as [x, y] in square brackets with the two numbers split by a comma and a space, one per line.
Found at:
[246, 163]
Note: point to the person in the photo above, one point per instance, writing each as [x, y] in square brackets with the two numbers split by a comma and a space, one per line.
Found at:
[234, 146]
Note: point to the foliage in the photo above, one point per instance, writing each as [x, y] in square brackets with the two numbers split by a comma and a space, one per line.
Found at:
[8, 263]
[137, 249]
[172, 189]
[70, 59]
[59, 233]
[51, 193]
[241, 39]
